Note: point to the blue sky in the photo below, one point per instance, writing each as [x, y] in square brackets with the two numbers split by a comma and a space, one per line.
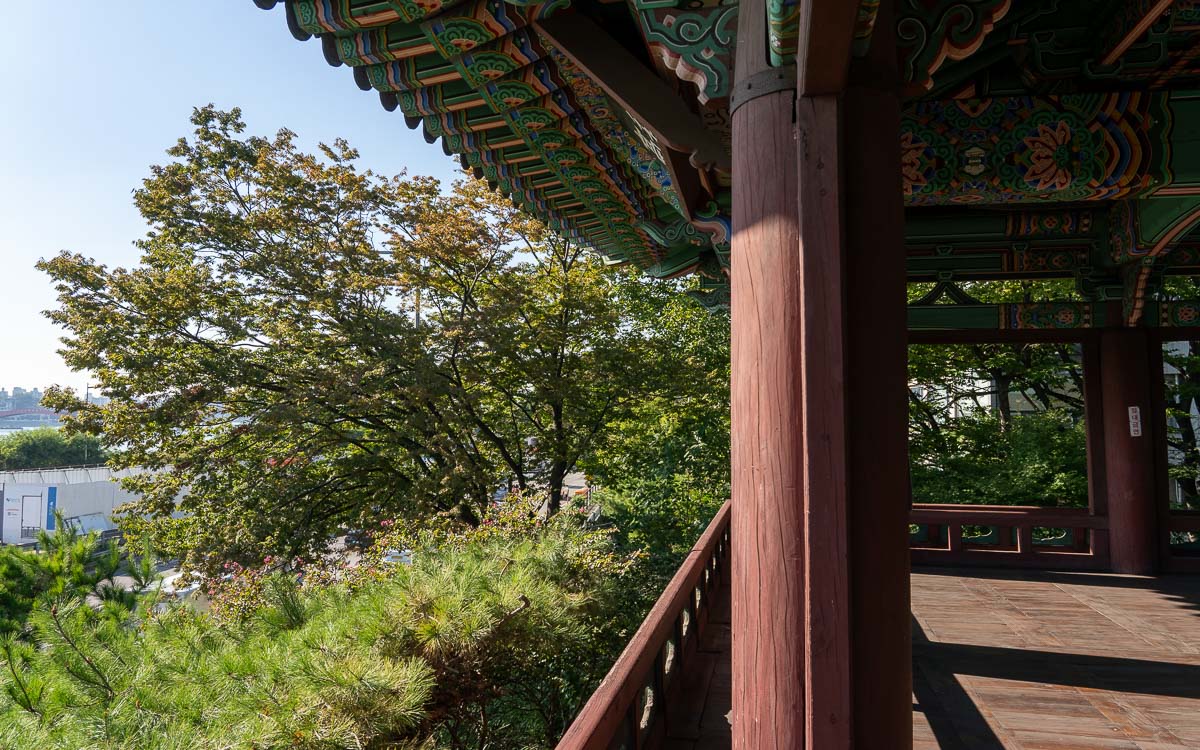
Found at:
[94, 92]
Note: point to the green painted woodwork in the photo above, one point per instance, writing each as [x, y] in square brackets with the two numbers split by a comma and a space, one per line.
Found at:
[1078, 147]
[1023, 157]
[930, 34]
[864, 26]
[694, 42]
[783, 28]
[1023, 316]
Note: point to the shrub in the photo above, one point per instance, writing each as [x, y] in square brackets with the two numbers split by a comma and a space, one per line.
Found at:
[491, 637]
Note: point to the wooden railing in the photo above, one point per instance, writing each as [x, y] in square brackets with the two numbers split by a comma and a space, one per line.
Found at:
[1017, 536]
[632, 707]
[1184, 545]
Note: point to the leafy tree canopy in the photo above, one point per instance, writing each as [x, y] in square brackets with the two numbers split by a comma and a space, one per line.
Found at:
[305, 346]
[47, 448]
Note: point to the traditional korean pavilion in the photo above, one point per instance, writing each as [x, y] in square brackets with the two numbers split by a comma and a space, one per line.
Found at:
[808, 160]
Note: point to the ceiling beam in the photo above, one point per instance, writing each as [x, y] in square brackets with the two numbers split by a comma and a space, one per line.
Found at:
[1128, 25]
[823, 48]
[643, 95]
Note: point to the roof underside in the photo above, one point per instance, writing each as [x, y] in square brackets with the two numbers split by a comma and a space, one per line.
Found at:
[610, 120]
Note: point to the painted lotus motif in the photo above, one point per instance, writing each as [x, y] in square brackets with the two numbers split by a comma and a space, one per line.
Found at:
[1053, 157]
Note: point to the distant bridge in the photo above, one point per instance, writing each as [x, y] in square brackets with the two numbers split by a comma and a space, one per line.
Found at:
[34, 412]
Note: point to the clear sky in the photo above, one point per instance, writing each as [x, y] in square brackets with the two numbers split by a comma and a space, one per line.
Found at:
[94, 92]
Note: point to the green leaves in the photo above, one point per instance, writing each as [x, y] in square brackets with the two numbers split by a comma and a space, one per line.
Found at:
[46, 448]
[306, 347]
[66, 563]
[491, 636]
[997, 424]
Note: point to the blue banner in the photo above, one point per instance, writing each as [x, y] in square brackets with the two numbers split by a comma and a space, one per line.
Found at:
[51, 503]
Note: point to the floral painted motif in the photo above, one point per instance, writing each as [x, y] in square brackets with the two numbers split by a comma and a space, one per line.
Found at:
[1181, 314]
[1043, 149]
[1051, 157]
[912, 160]
[1031, 316]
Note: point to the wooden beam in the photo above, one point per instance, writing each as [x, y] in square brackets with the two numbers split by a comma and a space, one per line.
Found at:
[827, 647]
[1128, 25]
[636, 89]
[877, 396]
[823, 47]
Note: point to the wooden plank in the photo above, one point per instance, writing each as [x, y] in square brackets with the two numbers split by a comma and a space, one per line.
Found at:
[823, 47]
[979, 558]
[1143, 13]
[997, 515]
[1037, 661]
[877, 394]
[602, 716]
[1093, 406]
[987, 336]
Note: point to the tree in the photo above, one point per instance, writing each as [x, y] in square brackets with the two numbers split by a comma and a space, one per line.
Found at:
[47, 448]
[306, 347]
[666, 470]
[1182, 396]
[489, 637]
[998, 423]
[65, 563]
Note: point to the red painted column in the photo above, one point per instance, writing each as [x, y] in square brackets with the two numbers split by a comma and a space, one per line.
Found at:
[767, 523]
[820, 492]
[877, 398]
[1125, 372]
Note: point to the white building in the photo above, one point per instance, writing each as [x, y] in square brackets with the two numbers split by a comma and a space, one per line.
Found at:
[87, 497]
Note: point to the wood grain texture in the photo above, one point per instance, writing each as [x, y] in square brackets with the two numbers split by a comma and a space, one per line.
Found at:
[641, 93]
[823, 47]
[768, 526]
[1011, 660]
[877, 397]
[1129, 460]
[603, 717]
[768, 523]
[823, 385]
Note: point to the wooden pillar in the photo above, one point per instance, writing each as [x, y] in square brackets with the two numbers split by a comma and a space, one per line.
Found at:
[877, 397]
[1125, 373]
[821, 650]
[767, 523]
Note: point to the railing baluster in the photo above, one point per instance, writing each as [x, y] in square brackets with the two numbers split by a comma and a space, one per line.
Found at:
[618, 706]
[1025, 539]
[1015, 544]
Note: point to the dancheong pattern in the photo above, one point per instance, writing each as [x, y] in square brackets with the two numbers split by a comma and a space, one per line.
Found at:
[930, 32]
[1179, 314]
[1079, 147]
[694, 42]
[1033, 316]
[478, 76]
[1093, 182]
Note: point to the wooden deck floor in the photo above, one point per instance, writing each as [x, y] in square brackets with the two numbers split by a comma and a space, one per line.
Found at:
[1029, 661]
